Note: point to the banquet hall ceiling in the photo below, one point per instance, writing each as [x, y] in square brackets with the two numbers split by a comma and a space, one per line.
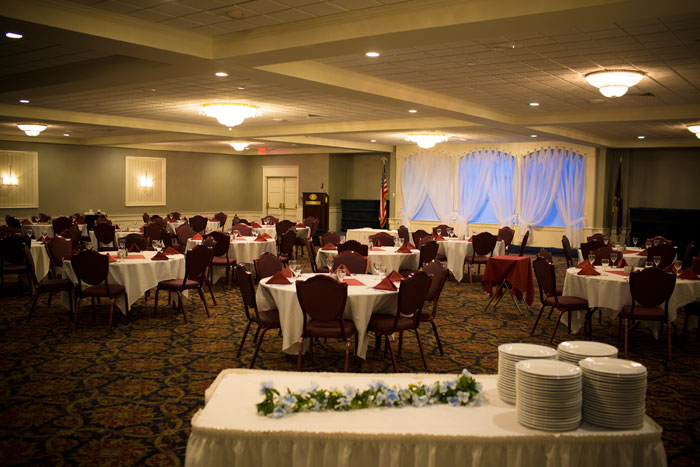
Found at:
[133, 73]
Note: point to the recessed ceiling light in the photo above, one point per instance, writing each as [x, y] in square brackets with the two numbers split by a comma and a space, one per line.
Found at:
[372, 54]
[412, 111]
[13, 35]
[24, 101]
[641, 137]
[221, 74]
[241, 88]
[66, 134]
[533, 136]
[534, 104]
[373, 141]
[277, 119]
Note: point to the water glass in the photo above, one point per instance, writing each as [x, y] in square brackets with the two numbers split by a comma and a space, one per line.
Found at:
[634, 241]
[399, 242]
[678, 264]
[438, 232]
[236, 233]
[154, 244]
[656, 242]
[648, 264]
[341, 274]
[605, 262]
[376, 269]
[122, 243]
[591, 258]
[613, 257]
[657, 261]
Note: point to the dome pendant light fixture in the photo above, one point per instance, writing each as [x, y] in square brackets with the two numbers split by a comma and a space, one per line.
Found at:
[230, 113]
[239, 145]
[426, 140]
[31, 130]
[614, 83]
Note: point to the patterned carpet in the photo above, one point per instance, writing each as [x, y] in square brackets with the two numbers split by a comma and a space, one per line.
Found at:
[92, 397]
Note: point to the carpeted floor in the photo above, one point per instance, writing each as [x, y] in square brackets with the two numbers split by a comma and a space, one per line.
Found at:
[91, 397]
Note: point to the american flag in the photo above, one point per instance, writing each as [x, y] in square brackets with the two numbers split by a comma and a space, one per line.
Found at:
[385, 194]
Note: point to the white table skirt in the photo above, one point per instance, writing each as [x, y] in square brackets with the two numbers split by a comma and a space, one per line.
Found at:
[229, 432]
[388, 258]
[457, 251]
[631, 258]
[611, 292]
[362, 302]
[137, 275]
[244, 251]
[41, 260]
[362, 235]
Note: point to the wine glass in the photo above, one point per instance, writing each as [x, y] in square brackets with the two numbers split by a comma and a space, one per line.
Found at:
[605, 262]
[376, 269]
[438, 232]
[399, 242]
[657, 261]
[297, 269]
[648, 264]
[236, 233]
[450, 232]
[341, 274]
[678, 264]
[647, 244]
[154, 244]
[656, 242]
[292, 264]
[634, 241]
[591, 258]
[613, 257]
[606, 239]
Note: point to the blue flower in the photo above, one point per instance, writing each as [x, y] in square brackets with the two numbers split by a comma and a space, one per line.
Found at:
[350, 391]
[380, 398]
[434, 388]
[419, 401]
[376, 385]
[279, 412]
[451, 384]
[392, 396]
[288, 402]
[315, 406]
[463, 397]
[453, 401]
[265, 386]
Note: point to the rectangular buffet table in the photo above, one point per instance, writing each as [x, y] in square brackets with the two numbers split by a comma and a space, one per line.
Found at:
[228, 431]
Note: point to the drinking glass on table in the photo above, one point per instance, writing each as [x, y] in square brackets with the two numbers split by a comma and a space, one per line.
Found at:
[648, 264]
[376, 269]
[605, 262]
[647, 244]
[438, 232]
[657, 261]
[154, 244]
[634, 241]
[297, 269]
[613, 257]
[399, 242]
[236, 233]
[341, 274]
[656, 242]
[678, 264]
[591, 258]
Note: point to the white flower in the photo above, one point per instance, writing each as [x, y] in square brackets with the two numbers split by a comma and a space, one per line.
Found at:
[288, 401]
[451, 384]
[419, 401]
[463, 397]
[315, 406]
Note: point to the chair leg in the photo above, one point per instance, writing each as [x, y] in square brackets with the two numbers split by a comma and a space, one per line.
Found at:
[77, 309]
[36, 297]
[538, 318]
[683, 335]
[556, 326]
[551, 310]
[245, 334]
[347, 353]
[670, 353]
[300, 351]
[155, 305]
[111, 314]
[211, 292]
[391, 351]
[398, 356]
[257, 334]
[420, 346]
[181, 305]
[626, 323]
[437, 337]
[257, 348]
[201, 295]
[469, 270]
[70, 301]
[48, 302]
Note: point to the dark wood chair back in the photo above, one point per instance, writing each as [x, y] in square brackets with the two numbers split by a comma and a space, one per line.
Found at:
[322, 300]
[506, 234]
[355, 262]
[330, 237]
[353, 245]
[267, 265]
[198, 223]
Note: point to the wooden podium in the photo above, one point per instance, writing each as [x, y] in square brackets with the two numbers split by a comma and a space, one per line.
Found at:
[316, 204]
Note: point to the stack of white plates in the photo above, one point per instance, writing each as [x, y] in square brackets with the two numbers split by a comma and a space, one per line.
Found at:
[614, 392]
[508, 356]
[548, 395]
[575, 351]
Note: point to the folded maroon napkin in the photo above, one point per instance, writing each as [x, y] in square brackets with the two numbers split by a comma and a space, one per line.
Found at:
[80, 220]
[583, 264]
[197, 237]
[213, 219]
[378, 249]
[643, 252]
[287, 272]
[171, 251]
[329, 246]
[344, 267]
[671, 268]
[385, 284]
[260, 238]
[134, 248]
[394, 276]
[688, 274]
[621, 263]
[112, 259]
[278, 279]
[172, 220]
[301, 225]
[159, 257]
[588, 271]
[26, 222]
[255, 225]
[265, 236]
[405, 248]
[351, 281]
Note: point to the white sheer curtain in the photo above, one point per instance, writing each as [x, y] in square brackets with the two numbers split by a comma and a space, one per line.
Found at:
[439, 170]
[571, 197]
[540, 177]
[475, 171]
[414, 189]
[502, 190]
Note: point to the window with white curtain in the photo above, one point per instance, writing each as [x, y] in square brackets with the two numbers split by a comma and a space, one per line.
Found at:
[427, 187]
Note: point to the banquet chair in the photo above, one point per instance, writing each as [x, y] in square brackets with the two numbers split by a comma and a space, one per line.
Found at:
[691, 309]
[438, 275]
[267, 265]
[243, 229]
[264, 319]
[443, 229]
[382, 239]
[523, 243]
[102, 219]
[312, 257]
[74, 235]
[286, 252]
[13, 222]
[601, 254]
[665, 251]
[506, 234]
[354, 261]
[222, 218]
[6, 231]
[651, 289]
[483, 245]
[661, 239]
[566, 245]
[688, 255]
[695, 267]
[322, 300]
[353, 245]
[269, 220]
[184, 233]
[57, 249]
[309, 221]
[175, 215]
[547, 282]
[146, 218]
[153, 231]
[220, 256]
[428, 253]
[46, 285]
[544, 253]
[589, 247]
[12, 258]
[198, 223]
[60, 224]
[597, 237]
[403, 233]
[136, 239]
[92, 268]
[104, 233]
[282, 226]
[196, 262]
[412, 294]
[330, 237]
[418, 235]
[43, 218]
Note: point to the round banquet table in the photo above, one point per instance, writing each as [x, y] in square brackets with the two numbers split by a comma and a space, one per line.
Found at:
[611, 291]
[363, 301]
[172, 226]
[41, 260]
[362, 235]
[38, 229]
[137, 273]
[117, 235]
[385, 256]
[244, 249]
[267, 229]
[631, 256]
[457, 251]
[212, 226]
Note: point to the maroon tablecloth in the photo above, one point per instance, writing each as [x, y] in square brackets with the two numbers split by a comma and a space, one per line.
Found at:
[514, 269]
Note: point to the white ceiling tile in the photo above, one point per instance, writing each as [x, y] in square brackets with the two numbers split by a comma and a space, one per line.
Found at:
[263, 20]
[291, 15]
[322, 9]
[151, 15]
[175, 9]
[261, 7]
[355, 4]
[181, 23]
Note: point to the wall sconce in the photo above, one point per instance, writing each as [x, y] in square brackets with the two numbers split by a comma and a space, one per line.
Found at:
[146, 181]
[9, 179]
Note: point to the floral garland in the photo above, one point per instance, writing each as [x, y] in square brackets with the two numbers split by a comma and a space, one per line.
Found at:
[462, 391]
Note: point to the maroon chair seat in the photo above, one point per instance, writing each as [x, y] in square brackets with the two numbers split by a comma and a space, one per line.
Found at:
[47, 285]
[92, 268]
[566, 302]
[176, 284]
[99, 290]
[264, 319]
[329, 330]
[383, 324]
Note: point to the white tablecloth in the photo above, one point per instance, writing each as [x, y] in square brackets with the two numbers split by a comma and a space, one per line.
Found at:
[387, 258]
[457, 251]
[171, 226]
[268, 229]
[631, 257]
[362, 302]
[244, 251]
[611, 292]
[229, 432]
[362, 235]
[38, 229]
[137, 275]
[41, 260]
[212, 226]
[117, 235]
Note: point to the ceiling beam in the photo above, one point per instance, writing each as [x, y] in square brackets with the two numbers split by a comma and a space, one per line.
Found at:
[627, 114]
[337, 143]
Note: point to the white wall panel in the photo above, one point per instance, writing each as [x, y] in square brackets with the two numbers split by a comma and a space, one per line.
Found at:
[137, 168]
[25, 166]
